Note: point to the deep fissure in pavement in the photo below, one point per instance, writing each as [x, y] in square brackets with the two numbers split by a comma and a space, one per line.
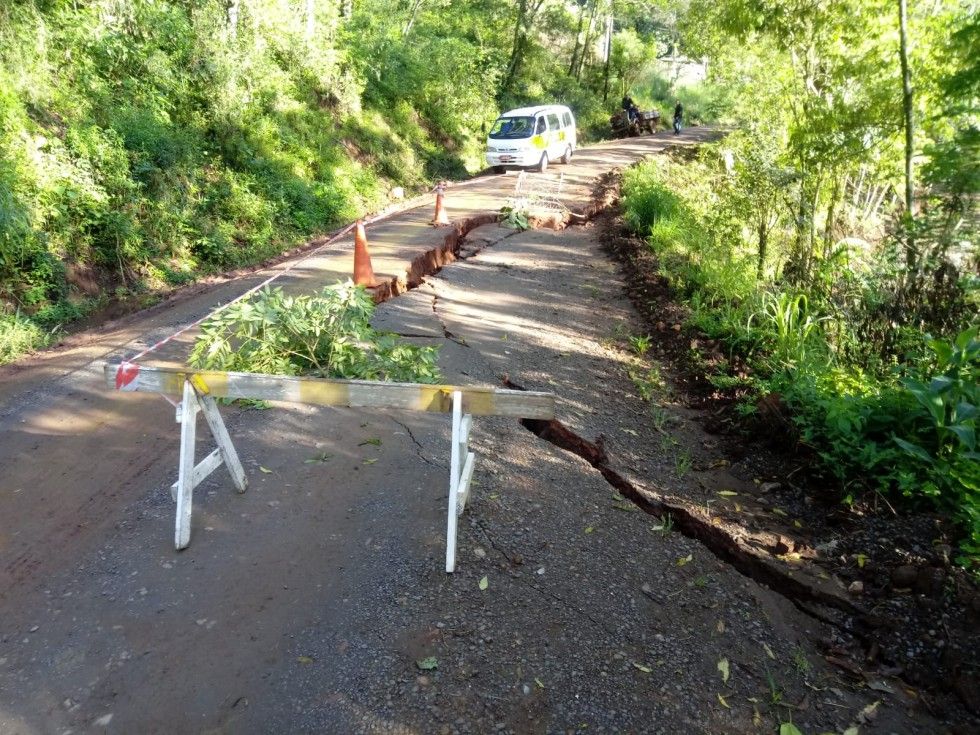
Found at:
[715, 539]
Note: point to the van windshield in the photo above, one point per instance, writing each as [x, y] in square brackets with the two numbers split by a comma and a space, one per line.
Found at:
[512, 127]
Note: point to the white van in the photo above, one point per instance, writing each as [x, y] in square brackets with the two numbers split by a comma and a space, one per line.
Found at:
[532, 136]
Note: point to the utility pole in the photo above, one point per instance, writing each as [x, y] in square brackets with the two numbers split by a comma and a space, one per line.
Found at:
[910, 255]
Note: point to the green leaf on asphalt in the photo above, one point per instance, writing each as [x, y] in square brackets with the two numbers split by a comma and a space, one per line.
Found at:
[788, 728]
[538, 682]
[484, 583]
[264, 471]
[723, 702]
[369, 461]
[727, 493]
[684, 560]
[641, 667]
[589, 529]
[428, 663]
[373, 441]
[723, 668]
[304, 659]
[769, 652]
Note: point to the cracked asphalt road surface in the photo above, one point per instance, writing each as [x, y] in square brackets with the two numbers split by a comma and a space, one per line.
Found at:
[306, 604]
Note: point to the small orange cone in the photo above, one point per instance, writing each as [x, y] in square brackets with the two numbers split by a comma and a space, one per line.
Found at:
[363, 272]
[440, 218]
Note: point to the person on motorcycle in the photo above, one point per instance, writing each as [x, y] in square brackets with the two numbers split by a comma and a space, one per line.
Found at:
[678, 117]
[630, 107]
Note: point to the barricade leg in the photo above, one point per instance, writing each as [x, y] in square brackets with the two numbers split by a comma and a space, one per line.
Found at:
[185, 474]
[452, 515]
[460, 474]
[196, 399]
[217, 425]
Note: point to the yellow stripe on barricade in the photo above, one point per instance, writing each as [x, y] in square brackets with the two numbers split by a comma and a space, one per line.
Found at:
[477, 400]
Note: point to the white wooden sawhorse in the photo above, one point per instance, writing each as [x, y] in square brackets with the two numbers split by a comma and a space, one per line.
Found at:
[199, 389]
[197, 399]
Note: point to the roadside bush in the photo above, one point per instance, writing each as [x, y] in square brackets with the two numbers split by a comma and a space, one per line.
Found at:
[19, 335]
[904, 425]
[326, 335]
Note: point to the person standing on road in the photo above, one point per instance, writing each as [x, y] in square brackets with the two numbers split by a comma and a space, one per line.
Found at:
[678, 117]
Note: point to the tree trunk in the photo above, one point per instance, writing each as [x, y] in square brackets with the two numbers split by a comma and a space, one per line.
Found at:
[609, 29]
[910, 255]
[516, 48]
[763, 244]
[416, 4]
[830, 222]
[588, 39]
[578, 38]
[234, 10]
[310, 20]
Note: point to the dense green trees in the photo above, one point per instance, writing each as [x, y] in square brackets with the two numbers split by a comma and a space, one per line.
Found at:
[831, 240]
[143, 142]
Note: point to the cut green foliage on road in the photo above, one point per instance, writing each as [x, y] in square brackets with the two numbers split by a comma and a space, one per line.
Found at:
[326, 335]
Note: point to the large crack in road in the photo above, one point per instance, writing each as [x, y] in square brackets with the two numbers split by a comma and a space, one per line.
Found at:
[723, 543]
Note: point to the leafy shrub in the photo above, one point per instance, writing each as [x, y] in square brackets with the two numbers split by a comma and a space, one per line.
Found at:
[942, 438]
[326, 335]
[793, 332]
[891, 427]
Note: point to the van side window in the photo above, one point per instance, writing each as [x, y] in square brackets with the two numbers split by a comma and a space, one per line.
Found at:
[553, 122]
[540, 128]
[567, 119]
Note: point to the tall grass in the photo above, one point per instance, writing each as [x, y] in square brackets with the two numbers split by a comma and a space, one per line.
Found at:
[19, 335]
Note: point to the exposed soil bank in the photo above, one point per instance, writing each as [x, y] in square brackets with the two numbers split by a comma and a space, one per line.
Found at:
[884, 576]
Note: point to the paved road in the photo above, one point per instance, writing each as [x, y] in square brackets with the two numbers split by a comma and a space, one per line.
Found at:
[304, 604]
[74, 456]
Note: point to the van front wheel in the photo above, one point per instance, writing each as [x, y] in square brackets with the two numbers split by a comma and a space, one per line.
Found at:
[542, 164]
[567, 157]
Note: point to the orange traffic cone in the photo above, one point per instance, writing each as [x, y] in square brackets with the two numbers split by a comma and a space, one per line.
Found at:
[440, 217]
[363, 272]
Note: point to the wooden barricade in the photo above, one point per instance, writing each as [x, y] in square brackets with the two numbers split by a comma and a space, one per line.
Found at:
[199, 390]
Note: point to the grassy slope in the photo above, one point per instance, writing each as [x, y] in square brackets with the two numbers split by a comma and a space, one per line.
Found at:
[138, 152]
